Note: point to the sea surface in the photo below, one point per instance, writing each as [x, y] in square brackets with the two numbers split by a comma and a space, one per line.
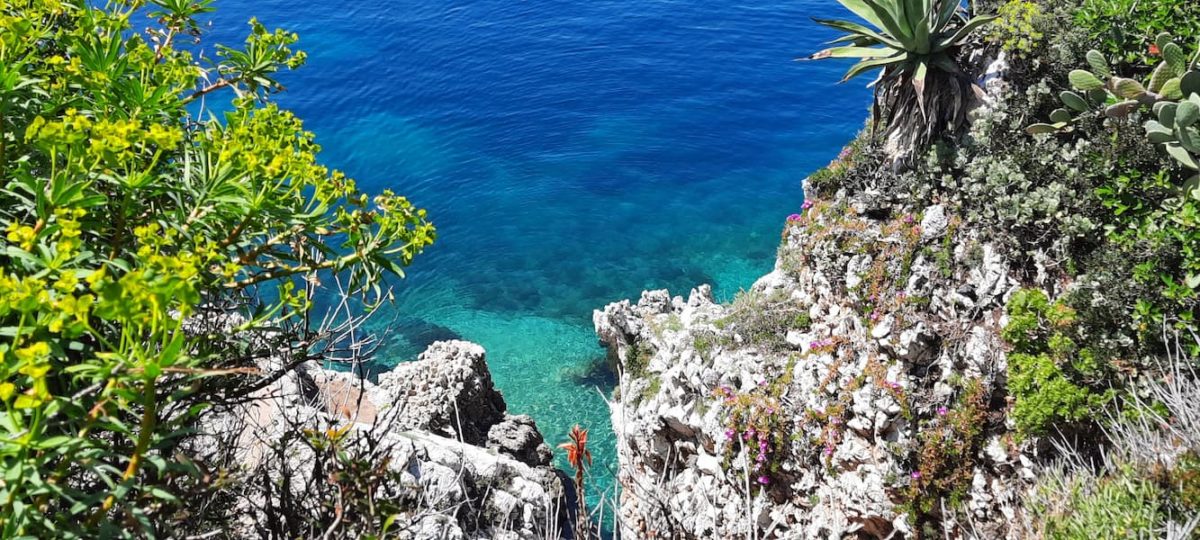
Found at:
[571, 153]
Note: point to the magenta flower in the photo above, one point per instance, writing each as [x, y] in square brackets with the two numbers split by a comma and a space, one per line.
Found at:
[828, 450]
[908, 219]
[729, 434]
[764, 480]
[807, 204]
[794, 217]
[916, 475]
[942, 411]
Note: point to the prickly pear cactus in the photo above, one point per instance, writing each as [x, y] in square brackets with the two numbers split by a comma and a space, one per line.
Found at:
[1172, 92]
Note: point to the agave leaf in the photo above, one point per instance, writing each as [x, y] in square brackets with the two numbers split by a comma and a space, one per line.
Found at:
[851, 51]
[1073, 101]
[921, 32]
[1175, 56]
[918, 82]
[1060, 115]
[869, 64]
[963, 33]
[1084, 80]
[858, 31]
[947, 9]
[1098, 63]
[865, 11]
[1189, 84]
[1128, 88]
[1182, 156]
[889, 15]
[1187, 114]
[1122, 109]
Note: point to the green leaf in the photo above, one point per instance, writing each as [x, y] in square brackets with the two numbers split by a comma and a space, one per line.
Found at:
[1122, 109]
[1073, 101]
[1060, 115]
[859, 30]
[1171, 89]
[1160, 76]
[1098, 64]
[963, 33]
[1036, 129]
[1189, 84]
[1084, 80]
[1182, 156]
[1175, 57]
[1165, 111]
[1157, 133]
[1187, 114]
[852, 51]
[867, 65]
[1128, 88]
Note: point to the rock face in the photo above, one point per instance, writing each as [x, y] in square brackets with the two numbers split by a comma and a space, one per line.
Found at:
[470, 469]
[818, 404]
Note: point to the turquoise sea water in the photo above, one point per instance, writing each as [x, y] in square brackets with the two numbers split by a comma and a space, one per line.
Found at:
[571, 154]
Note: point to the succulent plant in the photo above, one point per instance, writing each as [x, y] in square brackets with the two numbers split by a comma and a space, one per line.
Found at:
[1172, 93]
[913, 42]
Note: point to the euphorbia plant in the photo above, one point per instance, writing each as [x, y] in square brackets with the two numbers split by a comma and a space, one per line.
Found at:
[921, 88]
[126, 218]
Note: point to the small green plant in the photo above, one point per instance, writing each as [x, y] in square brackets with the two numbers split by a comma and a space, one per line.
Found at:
[1048, 375]
[1126, 506]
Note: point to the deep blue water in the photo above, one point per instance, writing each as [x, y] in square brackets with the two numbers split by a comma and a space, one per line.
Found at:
[571, 153]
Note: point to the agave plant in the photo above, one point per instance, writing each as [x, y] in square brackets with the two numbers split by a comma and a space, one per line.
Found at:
[921, 88]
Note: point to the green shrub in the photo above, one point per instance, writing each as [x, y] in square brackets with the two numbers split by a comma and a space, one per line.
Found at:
[1019, 28]
[1049, 377]
[125, 215]
[1124, 30]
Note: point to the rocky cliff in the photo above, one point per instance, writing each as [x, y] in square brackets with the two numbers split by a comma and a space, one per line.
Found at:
[460, 465]
[854, 390]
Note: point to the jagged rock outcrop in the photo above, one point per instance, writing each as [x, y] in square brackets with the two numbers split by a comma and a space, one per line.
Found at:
[809, 407]
[466, 467]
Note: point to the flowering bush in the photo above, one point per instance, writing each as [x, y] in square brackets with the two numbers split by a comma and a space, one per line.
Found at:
[125, 217]
[755, 424]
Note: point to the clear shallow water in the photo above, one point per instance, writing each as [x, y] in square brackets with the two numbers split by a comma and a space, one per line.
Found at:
[571, 154]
